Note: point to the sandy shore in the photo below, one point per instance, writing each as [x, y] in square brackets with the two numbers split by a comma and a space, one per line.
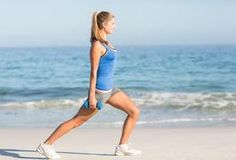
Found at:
[218, 143]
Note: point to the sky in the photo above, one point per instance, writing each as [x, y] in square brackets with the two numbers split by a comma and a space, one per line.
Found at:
[138, 22]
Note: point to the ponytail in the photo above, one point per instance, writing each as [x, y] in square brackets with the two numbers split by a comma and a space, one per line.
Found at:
[94, 28]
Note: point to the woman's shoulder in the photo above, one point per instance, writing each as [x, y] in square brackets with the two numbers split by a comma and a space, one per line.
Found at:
[96, 45]
[102, 45]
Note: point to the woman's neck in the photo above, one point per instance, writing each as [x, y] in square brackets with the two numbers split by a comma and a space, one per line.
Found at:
[103, 35]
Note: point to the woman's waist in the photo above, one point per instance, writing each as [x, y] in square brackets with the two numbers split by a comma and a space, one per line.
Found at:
[102, 91]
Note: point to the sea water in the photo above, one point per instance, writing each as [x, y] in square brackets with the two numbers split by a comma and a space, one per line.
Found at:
[173, 86]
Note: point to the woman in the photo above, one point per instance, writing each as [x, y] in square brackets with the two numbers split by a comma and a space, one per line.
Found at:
[102, 58]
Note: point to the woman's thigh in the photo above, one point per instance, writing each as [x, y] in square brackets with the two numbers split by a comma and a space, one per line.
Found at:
[84, 114]
[122, 101]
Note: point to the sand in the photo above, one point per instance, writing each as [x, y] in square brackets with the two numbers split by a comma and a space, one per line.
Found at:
[212, 143]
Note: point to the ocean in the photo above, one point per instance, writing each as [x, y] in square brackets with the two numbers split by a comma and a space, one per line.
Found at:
[173, 86]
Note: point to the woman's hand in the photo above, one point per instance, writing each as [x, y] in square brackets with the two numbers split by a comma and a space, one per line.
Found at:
[92, 102]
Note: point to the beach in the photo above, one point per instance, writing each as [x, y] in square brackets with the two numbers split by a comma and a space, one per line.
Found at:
[197, 143]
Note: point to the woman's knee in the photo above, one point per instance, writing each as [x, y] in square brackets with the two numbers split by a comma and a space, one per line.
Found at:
[82, 116]
[135, 113]
[77, 122]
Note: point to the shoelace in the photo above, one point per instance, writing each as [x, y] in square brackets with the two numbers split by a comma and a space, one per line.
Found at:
[128, 145]
[131, 148]
[53, 148]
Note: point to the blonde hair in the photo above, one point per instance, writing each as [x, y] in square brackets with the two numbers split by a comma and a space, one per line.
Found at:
[97, 24]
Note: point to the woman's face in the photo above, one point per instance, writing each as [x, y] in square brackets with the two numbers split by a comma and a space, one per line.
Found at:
[109, 26]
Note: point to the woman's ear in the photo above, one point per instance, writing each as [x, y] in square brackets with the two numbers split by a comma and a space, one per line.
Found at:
[104, 24]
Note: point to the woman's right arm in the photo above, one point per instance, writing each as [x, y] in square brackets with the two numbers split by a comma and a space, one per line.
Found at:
[95, 53]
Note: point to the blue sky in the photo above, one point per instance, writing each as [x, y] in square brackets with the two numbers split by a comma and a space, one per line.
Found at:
[139, 22]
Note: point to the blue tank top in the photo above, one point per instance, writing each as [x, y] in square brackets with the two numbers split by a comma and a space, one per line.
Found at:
[106, 69]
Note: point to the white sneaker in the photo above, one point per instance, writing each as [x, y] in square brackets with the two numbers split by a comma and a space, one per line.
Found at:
[126, 150]
[48, 151]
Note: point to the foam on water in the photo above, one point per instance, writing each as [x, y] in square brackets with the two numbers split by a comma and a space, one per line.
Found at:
[205, 102]
[199, 102]
[61, 103]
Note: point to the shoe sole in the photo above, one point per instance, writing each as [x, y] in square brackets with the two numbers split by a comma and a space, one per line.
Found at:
[123, 154]
[119, 154]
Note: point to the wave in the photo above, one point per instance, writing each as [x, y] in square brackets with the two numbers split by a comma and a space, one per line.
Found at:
[57, 91]
[204, 102]
[61, 103]
[199, 102]
[180, 120]
[173, 122]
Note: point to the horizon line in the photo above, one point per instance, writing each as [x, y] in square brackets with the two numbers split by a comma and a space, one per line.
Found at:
[130, 45]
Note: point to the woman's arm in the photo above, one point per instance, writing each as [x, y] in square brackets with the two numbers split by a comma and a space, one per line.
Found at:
[96, 51]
